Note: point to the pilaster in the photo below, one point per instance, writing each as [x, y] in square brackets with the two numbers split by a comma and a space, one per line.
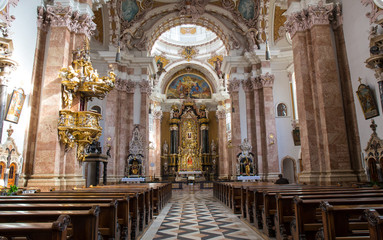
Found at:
[233, 88]
[326, 132]
[223, 161]
[145, 89]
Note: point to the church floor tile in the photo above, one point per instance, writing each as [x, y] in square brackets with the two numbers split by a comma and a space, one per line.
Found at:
[196, 214]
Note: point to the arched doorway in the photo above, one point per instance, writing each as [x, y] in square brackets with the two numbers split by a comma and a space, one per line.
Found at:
[289, 169]
[12, 175]
[372, 171]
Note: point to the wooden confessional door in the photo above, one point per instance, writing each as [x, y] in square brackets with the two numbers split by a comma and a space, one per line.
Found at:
[12, 175]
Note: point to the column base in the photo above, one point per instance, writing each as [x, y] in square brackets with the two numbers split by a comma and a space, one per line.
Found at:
[329, 178]
[45, 182]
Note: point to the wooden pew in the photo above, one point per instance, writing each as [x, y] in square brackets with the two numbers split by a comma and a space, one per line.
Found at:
[306, 223]
[375, 224]
[80, 220]
[56, 230]
[107, 225]
[285, 208]
[345, 221]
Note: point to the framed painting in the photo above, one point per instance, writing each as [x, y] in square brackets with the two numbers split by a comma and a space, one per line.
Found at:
[367, 101]
[15, 106]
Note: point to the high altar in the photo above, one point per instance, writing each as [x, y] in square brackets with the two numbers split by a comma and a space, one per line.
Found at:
[189, 141]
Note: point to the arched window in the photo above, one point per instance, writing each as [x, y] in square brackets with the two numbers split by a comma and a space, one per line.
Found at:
[282, 110]
[11, 171]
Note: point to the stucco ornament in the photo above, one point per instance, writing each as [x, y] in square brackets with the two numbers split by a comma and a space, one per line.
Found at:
[193, 8]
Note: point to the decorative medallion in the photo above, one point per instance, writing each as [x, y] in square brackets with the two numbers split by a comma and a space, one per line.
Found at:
[188, 30]
[247, 9]
[188, 52]
[129, 10]
[188, 86]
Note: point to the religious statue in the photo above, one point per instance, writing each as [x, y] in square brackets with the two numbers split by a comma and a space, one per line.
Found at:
[252, 39]
[165, 148]
[213, 147]
[247, 167]
[218, 64]
[160, 67]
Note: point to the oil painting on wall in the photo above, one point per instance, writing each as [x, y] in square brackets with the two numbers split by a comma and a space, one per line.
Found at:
[129, 9]
[188, 86]
[15, 106]
[367, 101]
[246, 8]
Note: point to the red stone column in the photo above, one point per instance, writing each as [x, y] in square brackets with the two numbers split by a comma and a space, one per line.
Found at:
[235, 125]
[123, 128]
[34, 103]
[324, 134]
[250, 114]
[144, 120]
[259, 117]
[111, 131]
[271, 155]
[348, 97]
[157, 115]
[223, 162]
[48, 162]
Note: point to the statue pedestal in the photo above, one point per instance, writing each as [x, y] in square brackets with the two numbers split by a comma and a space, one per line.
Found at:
[93, 161]
[248, 178]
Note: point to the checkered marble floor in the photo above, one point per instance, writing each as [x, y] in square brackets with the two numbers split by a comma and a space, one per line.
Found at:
[196, 214]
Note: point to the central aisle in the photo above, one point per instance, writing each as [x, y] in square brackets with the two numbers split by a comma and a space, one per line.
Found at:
[196, 214]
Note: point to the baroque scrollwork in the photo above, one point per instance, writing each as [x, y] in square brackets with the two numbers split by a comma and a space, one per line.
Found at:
[193, 8]
[60, 16]
[375, 10]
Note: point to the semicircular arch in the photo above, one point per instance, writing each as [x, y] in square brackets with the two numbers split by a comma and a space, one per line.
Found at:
[172, 20]
[178, 66]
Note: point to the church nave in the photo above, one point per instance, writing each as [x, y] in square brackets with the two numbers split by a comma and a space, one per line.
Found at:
[195, 214]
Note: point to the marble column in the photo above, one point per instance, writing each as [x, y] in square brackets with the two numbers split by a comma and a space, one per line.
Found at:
[271, 155]
[123, 128]
[348, 96]
[34, 102]
[157, 115]
[324, 136]
[250, 113]
[144, 120]
[130, 87]
[223, 161]
[48, 164]
[260, 138]
[235, 126]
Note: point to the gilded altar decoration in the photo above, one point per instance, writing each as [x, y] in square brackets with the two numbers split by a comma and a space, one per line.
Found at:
[188, 52]
[190, 159]
[79, 127]
[188, 86]
[80, 79]
[83, 78]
